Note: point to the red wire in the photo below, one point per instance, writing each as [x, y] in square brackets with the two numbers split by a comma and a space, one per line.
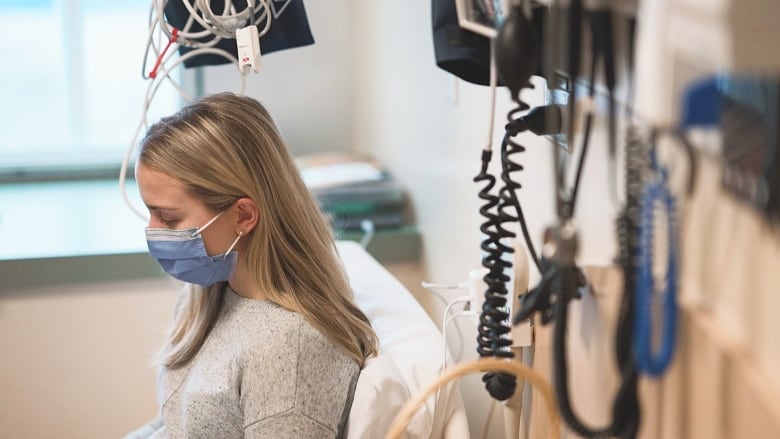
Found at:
[174, 37]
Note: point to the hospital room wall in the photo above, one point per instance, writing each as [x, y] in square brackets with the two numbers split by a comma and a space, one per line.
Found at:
[77, 358]
[308, 90]
[428, 128]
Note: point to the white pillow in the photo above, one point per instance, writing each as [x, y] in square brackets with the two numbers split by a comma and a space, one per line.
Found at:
[380, 393]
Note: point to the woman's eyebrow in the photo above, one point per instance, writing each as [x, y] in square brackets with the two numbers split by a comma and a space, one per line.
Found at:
[159, 208]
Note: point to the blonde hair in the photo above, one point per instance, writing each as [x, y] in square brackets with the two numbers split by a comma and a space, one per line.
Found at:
[224, 147]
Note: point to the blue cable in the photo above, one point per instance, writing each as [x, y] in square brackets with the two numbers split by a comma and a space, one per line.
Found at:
[648, 360]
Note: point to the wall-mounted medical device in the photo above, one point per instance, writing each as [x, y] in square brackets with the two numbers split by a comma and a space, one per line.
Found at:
[734, 45]
[283, 24]
[482, 17]
[750, 127]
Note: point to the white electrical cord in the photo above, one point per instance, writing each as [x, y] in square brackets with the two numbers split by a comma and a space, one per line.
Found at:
[225, 25]
[445, 324]
[446, 319]
[219, 26]
[493, 86]
[151, 91]
[433, 287]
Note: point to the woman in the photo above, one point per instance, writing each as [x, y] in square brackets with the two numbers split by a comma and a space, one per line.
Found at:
[266, 342]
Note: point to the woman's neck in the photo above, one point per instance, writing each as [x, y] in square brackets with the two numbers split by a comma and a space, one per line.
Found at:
[244, 285]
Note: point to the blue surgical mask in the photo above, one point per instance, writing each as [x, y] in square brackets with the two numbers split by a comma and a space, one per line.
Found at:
[182, 254]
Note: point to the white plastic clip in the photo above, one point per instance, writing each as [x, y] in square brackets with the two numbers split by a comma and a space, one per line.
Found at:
[248, 44]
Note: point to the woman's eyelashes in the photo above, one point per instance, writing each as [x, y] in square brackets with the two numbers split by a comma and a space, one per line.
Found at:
[169, 223]
[167, 220]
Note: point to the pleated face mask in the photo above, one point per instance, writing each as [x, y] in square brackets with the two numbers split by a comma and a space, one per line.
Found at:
[182, 254]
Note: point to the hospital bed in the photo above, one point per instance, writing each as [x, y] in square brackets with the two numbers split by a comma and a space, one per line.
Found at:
[410, 357]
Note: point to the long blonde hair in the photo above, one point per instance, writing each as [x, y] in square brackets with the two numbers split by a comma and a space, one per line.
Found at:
[224, 147]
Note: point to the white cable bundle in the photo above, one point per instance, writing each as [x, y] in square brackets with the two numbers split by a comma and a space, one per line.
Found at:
[216, 26]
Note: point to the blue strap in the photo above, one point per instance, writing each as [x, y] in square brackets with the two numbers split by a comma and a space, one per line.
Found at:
[648, 360]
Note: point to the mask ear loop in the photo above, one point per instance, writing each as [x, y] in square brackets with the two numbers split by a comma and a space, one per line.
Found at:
[240, 234]
[197, 232]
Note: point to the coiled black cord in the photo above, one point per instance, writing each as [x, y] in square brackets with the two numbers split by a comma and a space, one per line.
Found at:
[493, 326]
[508, 195]
[491, 337]
[493, 322]
[517, 55]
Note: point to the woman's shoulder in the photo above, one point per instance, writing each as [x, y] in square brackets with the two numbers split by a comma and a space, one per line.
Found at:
[273, 330]
[257, 316]
[307, 378]
[284, 358]
[267, 329]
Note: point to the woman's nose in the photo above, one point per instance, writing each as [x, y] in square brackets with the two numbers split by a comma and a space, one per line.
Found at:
[154, 223]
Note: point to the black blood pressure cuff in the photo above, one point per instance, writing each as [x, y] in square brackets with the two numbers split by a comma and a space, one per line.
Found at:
[466, 54]
[459, 51]
[289, 29]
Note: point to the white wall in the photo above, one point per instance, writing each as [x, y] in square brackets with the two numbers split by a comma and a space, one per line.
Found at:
[309, 89]
[76, 360]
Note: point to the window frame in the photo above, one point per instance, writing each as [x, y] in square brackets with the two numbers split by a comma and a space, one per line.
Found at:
[69, 165]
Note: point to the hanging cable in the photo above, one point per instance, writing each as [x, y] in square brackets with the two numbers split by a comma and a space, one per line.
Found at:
[515, 55]
[494, 327]
[562, 279]
[507, 194]
[491, 338]
[215, 27]
[540, 298]
[627, 414]
[571, 203]
[173, 39]
[573, 41]
[602, 34]
[650, 361]
[151, 91]
[447, 318]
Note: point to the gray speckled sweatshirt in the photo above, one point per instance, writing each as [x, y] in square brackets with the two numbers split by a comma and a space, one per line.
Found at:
[263, 372]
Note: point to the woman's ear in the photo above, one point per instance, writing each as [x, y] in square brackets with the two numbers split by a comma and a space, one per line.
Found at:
[247, 215]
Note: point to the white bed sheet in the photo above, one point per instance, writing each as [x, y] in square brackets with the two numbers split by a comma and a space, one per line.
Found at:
[410, 353]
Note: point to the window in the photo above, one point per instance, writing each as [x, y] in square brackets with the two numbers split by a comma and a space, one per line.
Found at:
[72, 85]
